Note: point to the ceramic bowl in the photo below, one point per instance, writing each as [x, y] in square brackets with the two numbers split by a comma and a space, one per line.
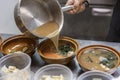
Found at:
[19, 43]
[104, 57]
[47, 45]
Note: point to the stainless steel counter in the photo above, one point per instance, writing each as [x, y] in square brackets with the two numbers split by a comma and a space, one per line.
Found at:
[73, 65]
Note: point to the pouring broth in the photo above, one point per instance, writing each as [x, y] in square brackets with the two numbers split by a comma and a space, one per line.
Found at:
[49, 30]
[98, 59]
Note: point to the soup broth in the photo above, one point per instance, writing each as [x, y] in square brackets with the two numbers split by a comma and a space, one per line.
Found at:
[98, 59]
[53, 55]
[49, 30]
[63, 51]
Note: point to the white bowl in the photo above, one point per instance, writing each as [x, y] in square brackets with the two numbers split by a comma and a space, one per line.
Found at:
[54, 70]
[95, 75]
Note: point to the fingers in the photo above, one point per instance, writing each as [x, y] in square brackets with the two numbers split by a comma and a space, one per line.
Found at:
[78, 6]
[81, 8]
[70, 2]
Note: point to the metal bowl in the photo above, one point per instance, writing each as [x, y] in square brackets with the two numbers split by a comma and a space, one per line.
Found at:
[19, 43]
[47, 44]
[30, 14]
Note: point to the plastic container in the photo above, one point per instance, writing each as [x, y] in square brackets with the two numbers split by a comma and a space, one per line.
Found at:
[2, 77]
[21, 61]
[54, 70]
[95, 75]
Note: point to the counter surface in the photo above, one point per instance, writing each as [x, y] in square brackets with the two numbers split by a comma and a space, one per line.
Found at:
[73, 65]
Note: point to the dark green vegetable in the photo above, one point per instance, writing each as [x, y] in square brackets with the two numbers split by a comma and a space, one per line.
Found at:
[89, 59]
[64, 49]
[111, 56]
[107, 63]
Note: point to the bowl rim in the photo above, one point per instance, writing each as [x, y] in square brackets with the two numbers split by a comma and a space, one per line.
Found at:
[14, 55]
[22, 36]
[88, 73]
[53, 65]
[61, 38]
[80, 52]
[0, 42]
[0, 39]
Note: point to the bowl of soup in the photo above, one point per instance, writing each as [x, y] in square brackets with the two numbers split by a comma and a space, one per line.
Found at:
[98, 57]
[62, 54]
[18, 43]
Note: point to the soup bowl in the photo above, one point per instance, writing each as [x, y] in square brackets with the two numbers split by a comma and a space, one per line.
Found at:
[18, 43]
[47, 51]
[98, 57]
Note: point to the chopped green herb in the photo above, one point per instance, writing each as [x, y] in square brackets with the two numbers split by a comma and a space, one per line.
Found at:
[89, 59]
[64, 49]
[107, 63]
[12, 51]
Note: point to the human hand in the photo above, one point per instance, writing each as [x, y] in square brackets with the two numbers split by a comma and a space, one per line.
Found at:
[78, 6]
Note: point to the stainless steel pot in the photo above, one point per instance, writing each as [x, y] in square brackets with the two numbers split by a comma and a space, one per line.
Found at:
[30, 14]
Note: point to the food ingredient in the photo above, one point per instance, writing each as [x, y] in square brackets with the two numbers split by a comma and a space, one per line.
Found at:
[13, 73]
[98, 59]
[10, 69]
[50, 30]
[64, 51]
[24, 49]
[48, 77]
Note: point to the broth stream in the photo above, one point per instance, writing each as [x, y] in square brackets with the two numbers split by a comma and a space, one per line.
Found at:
[49, 30]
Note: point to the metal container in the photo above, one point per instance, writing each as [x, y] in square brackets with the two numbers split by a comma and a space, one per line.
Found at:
[29, 14]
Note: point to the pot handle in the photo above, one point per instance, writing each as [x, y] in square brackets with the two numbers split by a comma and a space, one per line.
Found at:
[69, 7]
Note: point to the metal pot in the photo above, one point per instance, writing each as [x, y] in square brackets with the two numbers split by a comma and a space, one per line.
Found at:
[30, 14]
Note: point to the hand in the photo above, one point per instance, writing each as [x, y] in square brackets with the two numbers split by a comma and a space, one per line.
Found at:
[78, 6]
